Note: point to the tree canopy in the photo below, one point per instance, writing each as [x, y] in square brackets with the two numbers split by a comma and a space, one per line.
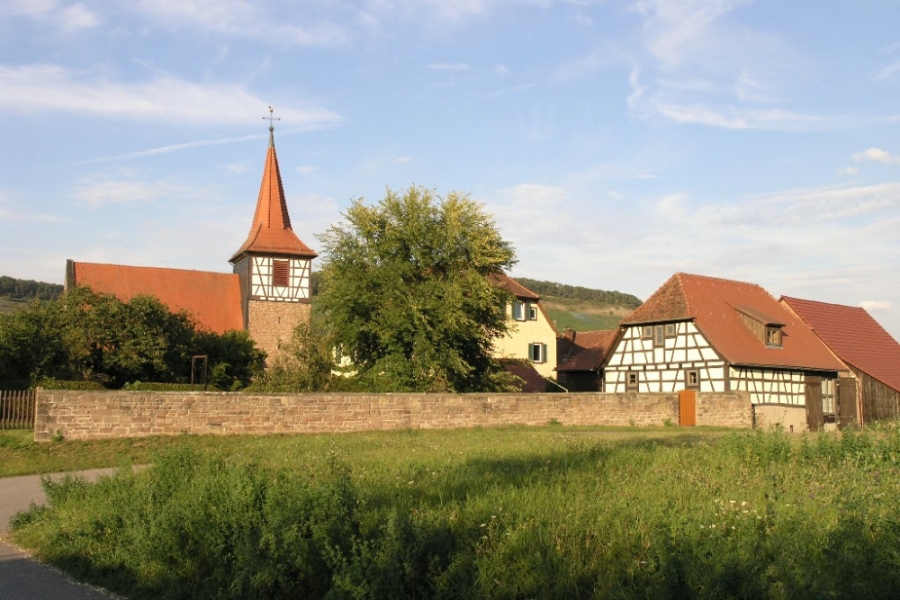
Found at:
[85, 335]
[407, 296]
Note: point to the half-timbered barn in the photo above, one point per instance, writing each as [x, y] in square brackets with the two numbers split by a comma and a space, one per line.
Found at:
[869, 389]
[267, 293]
[716, 335]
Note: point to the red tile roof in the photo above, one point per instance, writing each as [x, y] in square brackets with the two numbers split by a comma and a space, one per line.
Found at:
[711, 303]
[212, 299]
[590, 349]
[532, 382]
[508, 284]
[854, 336]
[271, 231]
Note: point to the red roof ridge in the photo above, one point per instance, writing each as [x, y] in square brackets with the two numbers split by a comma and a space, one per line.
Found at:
[100, 264]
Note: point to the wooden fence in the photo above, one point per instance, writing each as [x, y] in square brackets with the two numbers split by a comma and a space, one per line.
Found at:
[17, 409]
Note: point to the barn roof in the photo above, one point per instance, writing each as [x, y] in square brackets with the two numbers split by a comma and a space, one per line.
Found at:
[854, 336]
[589, 350]
[715, 306]
[213, 300]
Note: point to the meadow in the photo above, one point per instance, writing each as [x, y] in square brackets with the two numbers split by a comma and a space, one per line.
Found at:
[549, 512]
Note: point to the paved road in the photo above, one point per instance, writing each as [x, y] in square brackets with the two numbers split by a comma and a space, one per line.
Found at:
[22, 577]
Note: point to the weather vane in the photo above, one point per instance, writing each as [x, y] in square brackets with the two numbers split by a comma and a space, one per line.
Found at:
[271, 118]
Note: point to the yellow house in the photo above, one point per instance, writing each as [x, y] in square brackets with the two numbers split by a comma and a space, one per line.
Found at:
[532, 335]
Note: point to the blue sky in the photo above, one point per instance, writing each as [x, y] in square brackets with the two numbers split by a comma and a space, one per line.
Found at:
[616, 142]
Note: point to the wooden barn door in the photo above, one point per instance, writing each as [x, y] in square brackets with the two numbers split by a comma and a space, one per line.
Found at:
[687, 408]
[814, 417]
[846, 402]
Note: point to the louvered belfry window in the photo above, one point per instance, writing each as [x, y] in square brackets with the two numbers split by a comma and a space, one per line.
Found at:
[281, 273]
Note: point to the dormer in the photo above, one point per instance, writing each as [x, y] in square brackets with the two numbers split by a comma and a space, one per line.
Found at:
[768, 330]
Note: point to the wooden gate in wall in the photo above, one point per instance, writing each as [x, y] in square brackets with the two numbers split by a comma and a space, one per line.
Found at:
[687, 408]
[17, 409]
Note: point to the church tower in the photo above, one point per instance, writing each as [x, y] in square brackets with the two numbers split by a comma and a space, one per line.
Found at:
[273, 265]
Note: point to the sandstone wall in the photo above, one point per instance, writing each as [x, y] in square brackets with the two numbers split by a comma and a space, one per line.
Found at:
[272, 322]
[114, 414]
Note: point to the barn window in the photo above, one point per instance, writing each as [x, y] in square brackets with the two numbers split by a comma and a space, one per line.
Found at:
[281, 271]
[631, 381]
[773, 337]
[658, 338]
[692, 379]
[670, 330]
[647, 332]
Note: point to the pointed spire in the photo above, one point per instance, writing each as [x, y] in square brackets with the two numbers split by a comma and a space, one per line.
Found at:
[271, 231]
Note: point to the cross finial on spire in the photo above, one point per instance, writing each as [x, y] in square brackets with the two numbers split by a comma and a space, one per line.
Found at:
[271, 118]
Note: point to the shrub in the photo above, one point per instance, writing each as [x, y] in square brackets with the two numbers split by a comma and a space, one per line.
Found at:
[145, 386]
[61, 384]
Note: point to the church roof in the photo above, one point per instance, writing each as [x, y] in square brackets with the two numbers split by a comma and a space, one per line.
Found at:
[715, 306]
[271, 231]
[854, 336]
[212, 299]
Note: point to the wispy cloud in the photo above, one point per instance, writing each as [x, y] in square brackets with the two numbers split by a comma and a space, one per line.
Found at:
[443, 66]
[847, 171]
[887, 73]
[240, 18]
[164, 98]
[96, 193]
[68, 17]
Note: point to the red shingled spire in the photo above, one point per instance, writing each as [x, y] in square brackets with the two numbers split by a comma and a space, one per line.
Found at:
[271, 231]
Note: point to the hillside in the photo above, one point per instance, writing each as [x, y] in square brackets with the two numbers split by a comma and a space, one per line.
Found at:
[19, 293]
[582, 309]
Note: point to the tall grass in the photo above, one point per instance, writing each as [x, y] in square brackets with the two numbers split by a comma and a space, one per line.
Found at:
[744, 516]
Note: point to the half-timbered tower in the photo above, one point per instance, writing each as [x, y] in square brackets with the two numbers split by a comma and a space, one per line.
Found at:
[718, 335]
[273, 265]
[869, 389]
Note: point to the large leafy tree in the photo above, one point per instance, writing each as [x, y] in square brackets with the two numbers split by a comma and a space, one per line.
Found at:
[407, 295]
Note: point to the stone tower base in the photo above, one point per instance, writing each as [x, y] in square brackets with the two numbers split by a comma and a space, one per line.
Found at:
[271, 323]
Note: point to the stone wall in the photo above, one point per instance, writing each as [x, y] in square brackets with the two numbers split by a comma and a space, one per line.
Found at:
[787, 417]
[115, 414]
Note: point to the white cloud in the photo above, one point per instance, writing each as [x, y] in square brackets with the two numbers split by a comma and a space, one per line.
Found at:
[239, 18]
[165, 98]
[887, 73]
[458, 66]
[96, 193]
[877, 155]
[847, 171]
[500, 70]
[875, 305]
[67, 17]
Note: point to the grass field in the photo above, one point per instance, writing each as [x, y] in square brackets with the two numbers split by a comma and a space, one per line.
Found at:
[548, 512]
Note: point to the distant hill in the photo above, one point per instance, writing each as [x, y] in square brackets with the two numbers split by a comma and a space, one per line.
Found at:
[19, 293]
[581, 308]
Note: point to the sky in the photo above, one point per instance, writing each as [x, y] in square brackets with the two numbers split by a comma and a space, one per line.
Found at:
[615, 142]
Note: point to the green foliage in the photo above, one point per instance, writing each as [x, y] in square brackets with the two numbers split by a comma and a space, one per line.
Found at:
[27, 289]
[88, 336]
[406, 292]
[561, 290]
[140, 386]
[62, 384]
[490, 514]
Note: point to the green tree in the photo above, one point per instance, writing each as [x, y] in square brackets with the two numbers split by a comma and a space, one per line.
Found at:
[407, 296]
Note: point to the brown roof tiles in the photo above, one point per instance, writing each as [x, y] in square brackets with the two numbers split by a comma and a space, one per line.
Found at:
[212, 299]
[508, 284]
[589, 351]
[854, 336]
[710, 302]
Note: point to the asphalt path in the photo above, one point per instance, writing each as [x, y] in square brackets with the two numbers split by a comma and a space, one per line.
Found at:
[21, 576]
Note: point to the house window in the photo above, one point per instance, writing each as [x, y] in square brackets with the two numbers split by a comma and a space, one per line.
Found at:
[658, 339]
[828, 399]
[518, 310]
[532, 312]
[773, 337]
[670, 330]
[692, 379]
[537, 353]
[631, 381]
[647, 332]
[281, 270]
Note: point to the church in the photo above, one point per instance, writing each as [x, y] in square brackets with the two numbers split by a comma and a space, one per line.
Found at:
[267, 293]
